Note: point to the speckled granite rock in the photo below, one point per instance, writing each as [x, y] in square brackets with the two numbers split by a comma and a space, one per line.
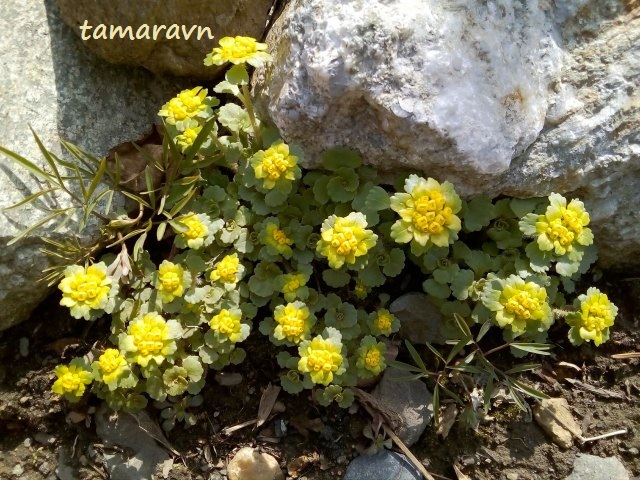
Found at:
[179, 55]
[49, 81]
[591, 467]
[502, 97]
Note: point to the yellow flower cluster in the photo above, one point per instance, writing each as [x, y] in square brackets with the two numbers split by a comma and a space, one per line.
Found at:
[322, 357]
[519, 304]
[292, 322]
[371, 359]
[188, 136]
[238, 50]
[278, 239]
[85, 290]
[226, 270]
[427, 212]
[187, 104]
[170, 282]
[196, 230]
[150, 337]
[71, 381]
[227, 324]
[345, 238]
[562, 226]
[111, 366]
[383, 322]
[592, 321]
[275, 165]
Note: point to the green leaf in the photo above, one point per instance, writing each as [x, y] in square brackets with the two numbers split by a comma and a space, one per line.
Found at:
[529, 390]
[463, 342]
[377, 199]
[436, 289]
[37, 225]
[537, 348]
[521, 206]
[32, 167]
[30, 198]
[478, 213]
[524, 367]
[483, 330]
[415, 356]
[404, 366]
[335, 278]
[237, 75]
[340, 157]
[539, 260]
[227, 87]
[396, 263]
[234, 117]
[461, 283]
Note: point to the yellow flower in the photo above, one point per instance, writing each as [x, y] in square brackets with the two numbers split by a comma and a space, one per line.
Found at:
[110, 367]
[595, 315]
[85, 290]
[197, 230]
[383, 322]
[345, 238]
[427, 213]
[227, 269]
[238, 50]
[150, 337]
[227, 326]
[72, 380]
[188, 136]
[275, 165]
[322, 357]
[519, 304]
[187, 104]
[371, 359]
[562, 227]
[293, 322]
[170, 282]
[293, 285]
[277, 239]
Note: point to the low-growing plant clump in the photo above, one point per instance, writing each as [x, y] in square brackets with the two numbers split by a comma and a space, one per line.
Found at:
[239, 240]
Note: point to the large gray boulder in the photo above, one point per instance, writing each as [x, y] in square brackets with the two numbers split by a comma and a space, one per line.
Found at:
[503, 97]
[179, 51]
[49, 81]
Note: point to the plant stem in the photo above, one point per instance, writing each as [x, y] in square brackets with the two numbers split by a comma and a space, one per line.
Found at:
[246, 96]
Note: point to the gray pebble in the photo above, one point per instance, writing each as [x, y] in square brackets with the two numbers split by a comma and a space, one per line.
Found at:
[384, 465]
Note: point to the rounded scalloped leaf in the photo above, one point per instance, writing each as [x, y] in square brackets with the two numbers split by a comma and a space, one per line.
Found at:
[340, 157]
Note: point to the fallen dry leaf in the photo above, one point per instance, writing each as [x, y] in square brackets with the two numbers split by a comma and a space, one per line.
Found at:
[297, 466]
[267, 401]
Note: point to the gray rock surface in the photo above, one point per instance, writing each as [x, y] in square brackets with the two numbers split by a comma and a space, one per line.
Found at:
[590, 467]
[409, 400]
[385, 465]
[50, 81]
[180, 55]
[502, 97]
[142, 456]
[420, 320]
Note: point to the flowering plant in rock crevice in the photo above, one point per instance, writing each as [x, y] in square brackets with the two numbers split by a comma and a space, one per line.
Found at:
[260, 246]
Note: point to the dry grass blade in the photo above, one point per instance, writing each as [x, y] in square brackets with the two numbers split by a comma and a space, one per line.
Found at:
[267, 401]
[459, 473]
[386, 417]
[407, 452]
[154, 431]
[624, 356]
[595, 390]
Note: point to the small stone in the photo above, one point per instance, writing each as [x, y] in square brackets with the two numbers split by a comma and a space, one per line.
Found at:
[409, 399]
[24, 400]
[420, 320]
[228, 379]
[633, 451]
[591, 467]
[23, 346]
[249, 463]
[44, 468]
[384, 465]
[44, 438]
[27, 442]
[17, 470]
[512, 476]
[555, 418]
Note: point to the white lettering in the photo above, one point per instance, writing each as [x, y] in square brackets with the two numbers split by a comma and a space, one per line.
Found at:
[201, 32]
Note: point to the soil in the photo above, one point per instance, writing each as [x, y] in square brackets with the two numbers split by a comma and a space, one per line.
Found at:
[37, 429]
